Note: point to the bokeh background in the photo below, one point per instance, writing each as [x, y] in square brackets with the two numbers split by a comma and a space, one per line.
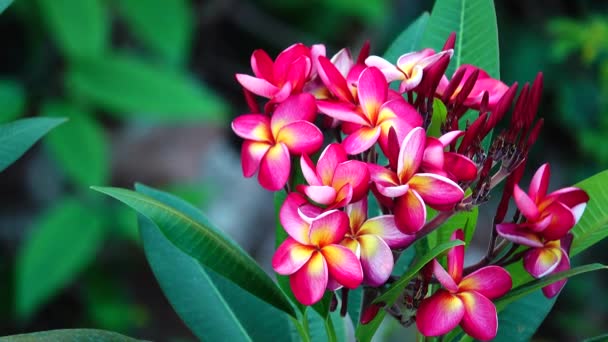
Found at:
[149, 88]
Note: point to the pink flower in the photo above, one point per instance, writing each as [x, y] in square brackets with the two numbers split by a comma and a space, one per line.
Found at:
[373, 240]
[449, 164]
[412, 190]
[463, 301]
[372, 119]
[340, 74]
[409, 68]
[312, 256]
[335, 181]
[552, 215]
[269, 142]
[495, 88]
[281, 78]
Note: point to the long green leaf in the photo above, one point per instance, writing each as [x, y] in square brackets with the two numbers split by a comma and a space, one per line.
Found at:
[63, 242]
[12, 100]
[79, 146]
[409, 40]
[128, 86]
[69, 335]
[207, 245]
[80, 28]
[593, 226]
[4, 4]
[18, 136]
[166, 27]
[210, 305]
[520, 320]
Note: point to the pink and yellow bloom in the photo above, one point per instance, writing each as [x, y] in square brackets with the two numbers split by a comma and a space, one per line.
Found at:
[270, 141]
[453, 165]
[371, 120]
[335, 181]
[372, 239]
[412, 190]
[463, 301]
[409, 68]
[312, 256]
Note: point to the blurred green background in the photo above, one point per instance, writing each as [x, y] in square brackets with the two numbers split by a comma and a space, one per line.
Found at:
[149, 88]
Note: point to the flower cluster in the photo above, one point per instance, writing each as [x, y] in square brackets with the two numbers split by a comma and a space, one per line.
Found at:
[362, 170]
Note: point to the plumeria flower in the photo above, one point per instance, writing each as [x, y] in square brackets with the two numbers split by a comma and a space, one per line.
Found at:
[551, 215]
[449, 164]
[335, 181]
[270, 142]
[312, 256]
[413, 190]
[373, 240]
[463, 301]
[409, 68]
[281, 78]
[495, 88]
[374, 116]
[544, 257]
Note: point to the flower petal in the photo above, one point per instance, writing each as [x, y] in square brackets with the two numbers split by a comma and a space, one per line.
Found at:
[456, 257]
[372, 91]
[480, 320]
[357, 214]
[376, 260]
[392, 191]
[525, 204]
[439, 314]
[328, 228]
[252, 153]
[320, 194]
[382, 175]
[390, 71]
[411, 154]
[444, 278]
[356, 174]
[540, 183]
[361, 140]
[343, 265]
[290, 219]
[342, 111]
[309, 171]
[460, 167]
[275, 168]
[385, 228]
[437, 191]
[490, 281]
[301, 137]
[540, 262]
[433, 157]
[253, 127]
[329, 160]
[295, 108]
[309, 282]
[563, 219]
[513, 233]
[262, 65]
[291, 256]
[334, 80]
[552, 290]
[410, 212]
[343, 197]
[570, 196]
[257, 86]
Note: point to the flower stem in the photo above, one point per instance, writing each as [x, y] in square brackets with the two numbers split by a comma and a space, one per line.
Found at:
[329, 328]
[302, 328]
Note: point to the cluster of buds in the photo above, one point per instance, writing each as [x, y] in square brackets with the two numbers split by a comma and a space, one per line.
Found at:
[375, 145]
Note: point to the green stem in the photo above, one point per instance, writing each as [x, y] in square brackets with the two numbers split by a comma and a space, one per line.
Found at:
[329, 328]
[302, 328]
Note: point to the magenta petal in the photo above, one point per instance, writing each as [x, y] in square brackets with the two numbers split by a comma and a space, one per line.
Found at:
[480, 320]
[570, 196]
[262, 65]
[252, 153]
[309, 282]
[513, 233]
[355, 173]
[343, 265]
[301, 137]
[439, 314]
[540, 183]
[295, 108]
[390, 71]
[376, 260]
[540, 262]
[372, 91]
[437, 191]
[253, 127]
[321, 194]
[411, 154]
[460, 167]
[450, 137]
[443, 277]
[257, 86]
[433, 154]
[361, 140]
[291, 256]
[328, 228]
[525, 204]
[410, 212]
[490, 281]
[334, 80]
[290, 218]
[552, 290]
[392, 191]
[309, 171]
[562, 221]
[342, 111]
[385, 228]
[329, 160]
[456, 257]
[275, 168]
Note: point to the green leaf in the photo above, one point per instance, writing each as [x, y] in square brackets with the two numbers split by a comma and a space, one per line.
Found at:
[532, 286]
[18, 136]
[370, 11]
[593, 226]
[12, 100]
[355, 298]
[80, 28]
[210, 305]
[4, 4]
[439, 116]
[203, 242]
[80, 146]
[63, 241]
[520, 320]
[128, 86]
[70, 335]
[366, 332]
[409, 40]
[166, 27]
[466, 220]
